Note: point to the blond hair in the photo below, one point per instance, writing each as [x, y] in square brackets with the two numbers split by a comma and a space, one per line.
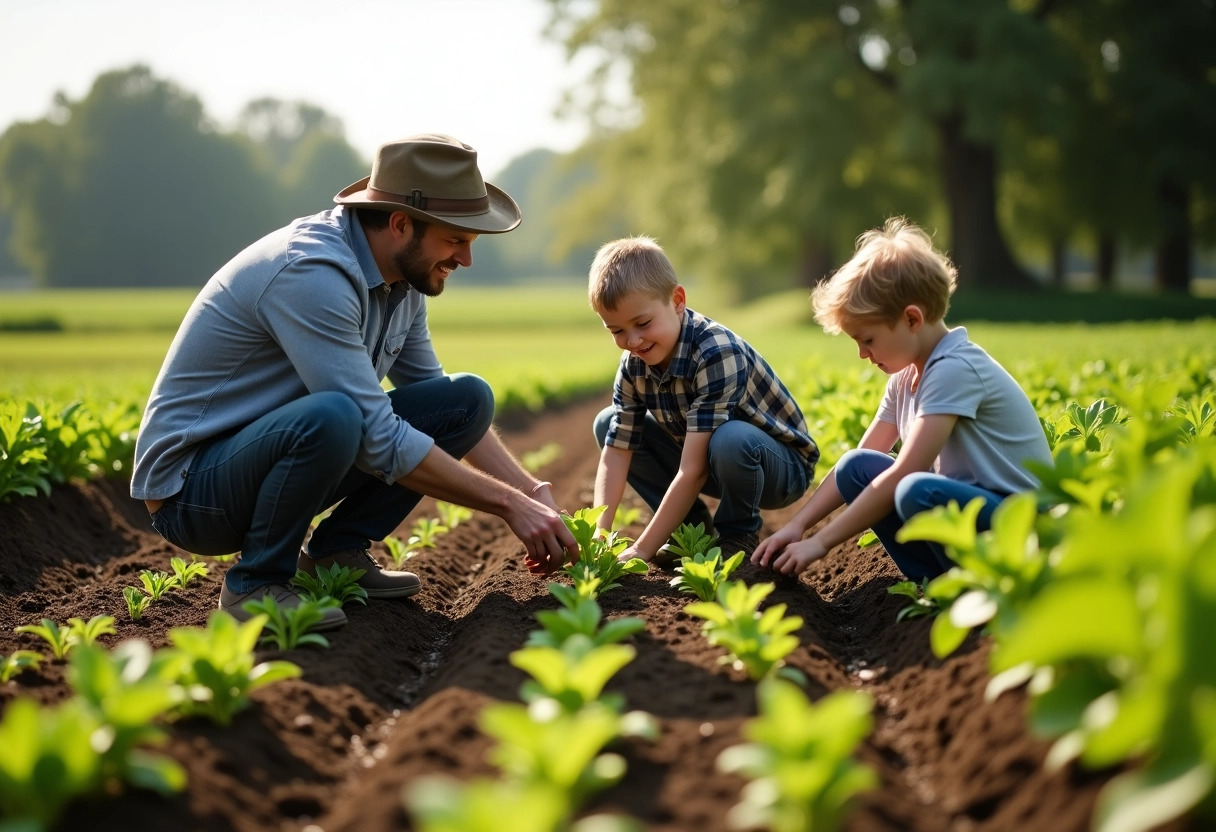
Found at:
[893, 267]
[628, 265]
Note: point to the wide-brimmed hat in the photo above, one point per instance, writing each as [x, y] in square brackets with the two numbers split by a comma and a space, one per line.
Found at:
[435, 178]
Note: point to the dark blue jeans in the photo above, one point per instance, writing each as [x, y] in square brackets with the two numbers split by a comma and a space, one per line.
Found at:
[748, 471]
[257, 490]
[915, 493]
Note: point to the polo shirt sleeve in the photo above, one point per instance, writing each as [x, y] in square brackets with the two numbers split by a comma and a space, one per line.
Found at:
[314, 313]
[951, 386]
[720, 382]
[629, 411]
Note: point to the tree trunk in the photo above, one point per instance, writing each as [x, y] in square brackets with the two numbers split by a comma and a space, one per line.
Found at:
[1104, 265]
[1059, 264]
[817, 263]
[1174, 242]
[977, 247]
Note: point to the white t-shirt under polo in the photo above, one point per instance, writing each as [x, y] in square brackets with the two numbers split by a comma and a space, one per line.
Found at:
[997, 428]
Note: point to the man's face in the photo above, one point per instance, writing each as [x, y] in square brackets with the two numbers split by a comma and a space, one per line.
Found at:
[427, 259]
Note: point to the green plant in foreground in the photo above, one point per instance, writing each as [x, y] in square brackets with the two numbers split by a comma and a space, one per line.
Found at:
[398, 551]
[57, 638]
[287, 627]
[137, 602]
[217, 665]
[597, 569]
[755, 642]
[184, 572]
[18, 662]
[452, 515]
[574, 675]
[87, 632]
[156, 583]
[800, 759]
[579, 616]
[441, 804]
[704, 572]
[918, 605]
[341, 583]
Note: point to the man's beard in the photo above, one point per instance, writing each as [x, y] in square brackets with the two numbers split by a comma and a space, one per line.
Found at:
[417, 271]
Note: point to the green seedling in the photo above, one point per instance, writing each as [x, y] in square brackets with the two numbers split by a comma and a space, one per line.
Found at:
[156, 583]
[341, 583]
[574, 674]
[533, 461]
[867, 539]
[23, 471]
[918, 605]
[689, 541]
[756, 642]
[137, 602]
[441, 804]
[452, 515]
[424, 533]
[398, 551]
[18, 662]
[87, 632]
[799, 760]
[579, 616]
[287, 627]
[704, 572]
[598, 569]
[217, 665]
[626, 517]
[184, 572]
[57, 638]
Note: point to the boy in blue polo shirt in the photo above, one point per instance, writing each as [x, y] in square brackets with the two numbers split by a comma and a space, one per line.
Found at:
[965, 425]
[695, 409]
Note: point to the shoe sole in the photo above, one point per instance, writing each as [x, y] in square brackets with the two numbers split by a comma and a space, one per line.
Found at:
[394, 592]
[320, 627]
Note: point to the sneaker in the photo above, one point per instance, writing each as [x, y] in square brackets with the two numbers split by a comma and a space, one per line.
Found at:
[379, 582]
[745, 542]
[231, 603]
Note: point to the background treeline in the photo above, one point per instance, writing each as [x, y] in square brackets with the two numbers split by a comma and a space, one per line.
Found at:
[754, 139]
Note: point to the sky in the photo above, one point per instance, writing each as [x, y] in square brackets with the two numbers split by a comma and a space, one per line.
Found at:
[478, 70]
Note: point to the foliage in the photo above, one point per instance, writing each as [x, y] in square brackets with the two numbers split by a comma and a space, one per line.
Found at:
[703, 573]
[287, 627]
[22, 453]
[441, 804]
[17, 662]
[574, 674]
[452, 515]
[87, 632]
[156, 583]
[688, 540]
[919, 604]
[184, 572]
[799, 759]
[340, 583]
[597, 569]
[425, 531]
[579, 616]
[626, 516]
[217, 665]
[59, 639]
[755, 642]
[137, 602]
[398, 551]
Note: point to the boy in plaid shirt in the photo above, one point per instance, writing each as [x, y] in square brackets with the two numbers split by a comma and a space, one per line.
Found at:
[695, 410]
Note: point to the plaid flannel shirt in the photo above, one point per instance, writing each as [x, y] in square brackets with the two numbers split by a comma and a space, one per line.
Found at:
[713, 376]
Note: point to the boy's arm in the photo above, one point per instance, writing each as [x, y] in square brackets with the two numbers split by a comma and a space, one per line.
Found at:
[925, 441]
[681, 494]
[610, 479]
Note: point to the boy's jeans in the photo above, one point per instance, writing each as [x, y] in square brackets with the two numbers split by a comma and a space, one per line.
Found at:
[257, 491]
[917, 559]
[748, 471]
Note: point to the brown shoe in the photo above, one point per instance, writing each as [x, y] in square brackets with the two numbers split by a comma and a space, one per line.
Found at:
[379, 582]
[231, 603]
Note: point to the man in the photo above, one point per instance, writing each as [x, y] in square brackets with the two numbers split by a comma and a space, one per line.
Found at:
[269, 408]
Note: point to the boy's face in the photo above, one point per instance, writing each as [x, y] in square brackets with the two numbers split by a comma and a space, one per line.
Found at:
[890, 347]
[647, 326]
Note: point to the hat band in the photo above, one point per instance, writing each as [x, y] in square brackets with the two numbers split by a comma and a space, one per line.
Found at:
[435, 204]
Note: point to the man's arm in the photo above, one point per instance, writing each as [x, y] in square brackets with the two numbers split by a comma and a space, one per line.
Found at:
[681, 494]
[491, 455]
[610, 478]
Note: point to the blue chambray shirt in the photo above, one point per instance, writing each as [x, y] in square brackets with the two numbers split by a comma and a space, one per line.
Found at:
[713, 376]
[302, 310]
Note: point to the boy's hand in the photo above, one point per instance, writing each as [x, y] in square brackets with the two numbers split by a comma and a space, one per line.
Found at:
[774, 545]
[633, 552]
[798, 556]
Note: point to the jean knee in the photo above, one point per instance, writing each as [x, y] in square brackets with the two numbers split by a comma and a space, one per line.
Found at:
[476, 392]
[335, 420]
[914, 494]
[856, 469]
[603, 420]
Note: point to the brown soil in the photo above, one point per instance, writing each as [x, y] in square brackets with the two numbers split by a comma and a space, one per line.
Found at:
[398, 694]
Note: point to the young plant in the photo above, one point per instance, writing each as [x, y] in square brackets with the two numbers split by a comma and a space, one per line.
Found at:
[689, 541]
[18, 662]
[625, 517]
[702, 573]
[799, 759]
[398, 551]
[597, 569]
[452, 515]
[425, 531]
[287, 627]
[919, 605]
[184, 572]
[442, 804]
[533, 461]
[217, 665]
[573, 675]
[341, 583]
[57, 638]
[137, 602]
[87, 632]
[755, 642]
[579, 616]
[156, 583]
[23, 468]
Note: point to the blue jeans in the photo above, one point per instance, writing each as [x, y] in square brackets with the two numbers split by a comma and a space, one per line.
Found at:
[915, 493]
[257, 490]
[748, 471]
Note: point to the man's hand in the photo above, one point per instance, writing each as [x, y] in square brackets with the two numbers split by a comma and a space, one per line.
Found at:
[774, 545]
[798, 556]
[547, 541]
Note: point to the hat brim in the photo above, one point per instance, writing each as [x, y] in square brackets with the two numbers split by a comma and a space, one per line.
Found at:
[502, 216]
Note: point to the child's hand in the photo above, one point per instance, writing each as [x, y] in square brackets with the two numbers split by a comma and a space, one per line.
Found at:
[774, 545]
[798, 556]
[633, 552]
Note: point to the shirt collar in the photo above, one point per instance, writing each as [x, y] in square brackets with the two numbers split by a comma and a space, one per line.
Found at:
[681, 364]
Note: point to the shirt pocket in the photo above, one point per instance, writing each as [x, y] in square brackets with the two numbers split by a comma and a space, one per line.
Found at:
[389, 352]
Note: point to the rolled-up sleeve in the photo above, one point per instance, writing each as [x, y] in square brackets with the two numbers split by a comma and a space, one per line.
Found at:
[322, 337]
